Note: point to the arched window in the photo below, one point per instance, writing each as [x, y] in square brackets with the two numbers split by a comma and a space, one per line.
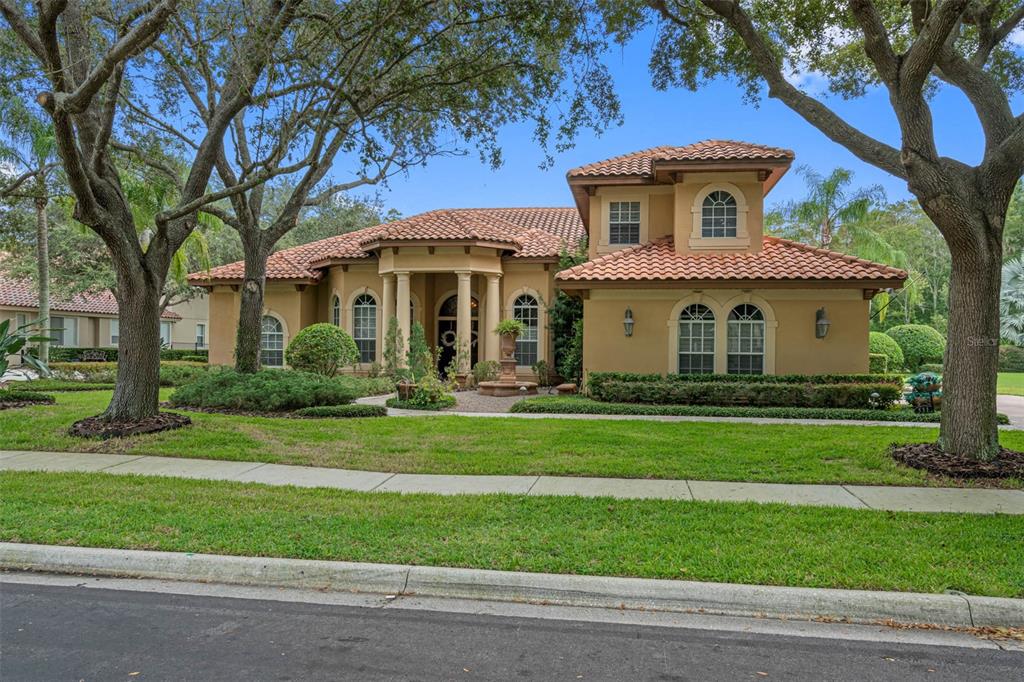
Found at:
[696, 340]
[718, 215]
[271, 342]
[364, 327]
[746, 340]
[336, 311]
[526, 310]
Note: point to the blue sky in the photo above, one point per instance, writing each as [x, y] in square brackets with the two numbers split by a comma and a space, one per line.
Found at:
[679, 117]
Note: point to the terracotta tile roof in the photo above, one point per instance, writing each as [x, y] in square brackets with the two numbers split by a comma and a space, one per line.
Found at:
[778, 260]
[19, 294]
[642, 163]
[531, 232]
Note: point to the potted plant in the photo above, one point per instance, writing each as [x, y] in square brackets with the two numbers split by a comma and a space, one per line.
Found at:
[508, 331]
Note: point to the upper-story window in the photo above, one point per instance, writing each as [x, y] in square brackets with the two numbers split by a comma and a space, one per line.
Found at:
[624, 222]
[718, 215]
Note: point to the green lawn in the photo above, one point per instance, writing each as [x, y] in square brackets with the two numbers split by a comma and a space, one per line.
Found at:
[722, 542]
[465, 445]
[1011, 383]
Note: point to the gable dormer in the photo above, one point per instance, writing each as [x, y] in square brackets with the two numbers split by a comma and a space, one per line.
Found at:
[707, 196]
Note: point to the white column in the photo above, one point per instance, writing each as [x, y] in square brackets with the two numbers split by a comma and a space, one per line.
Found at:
[492, 351]
[402, 307]
[463, 318]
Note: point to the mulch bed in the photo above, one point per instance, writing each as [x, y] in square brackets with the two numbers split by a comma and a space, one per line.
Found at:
[98, 427]
[931, 458]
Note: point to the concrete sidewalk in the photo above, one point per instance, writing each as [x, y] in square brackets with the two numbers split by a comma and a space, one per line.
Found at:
[891, 498]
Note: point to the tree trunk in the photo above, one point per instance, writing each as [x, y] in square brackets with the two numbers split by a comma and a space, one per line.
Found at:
[250, 313]
[43, 271]
[969, 427]
[137, 391]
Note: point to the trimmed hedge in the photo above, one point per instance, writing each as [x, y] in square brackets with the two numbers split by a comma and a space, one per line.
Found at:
[577, 405]
[1011, 359]
[59, 385]
[19, 396]
[343, 411]
[595, 380]
[879, 342]
[920, 344]
[269, 390]
[172, 373]
[878, 363]
[442, 402]
[669, 392]
[65, 354]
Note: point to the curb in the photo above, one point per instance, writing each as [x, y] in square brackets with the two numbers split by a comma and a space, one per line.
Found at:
[762, 601]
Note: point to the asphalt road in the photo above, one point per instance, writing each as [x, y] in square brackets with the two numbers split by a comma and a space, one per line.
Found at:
[69, 633]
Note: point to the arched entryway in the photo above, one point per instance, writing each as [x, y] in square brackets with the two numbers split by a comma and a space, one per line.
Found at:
[447, 315]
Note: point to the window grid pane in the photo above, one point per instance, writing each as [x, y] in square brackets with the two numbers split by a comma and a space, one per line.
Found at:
[336, 311]
[526, 310]
[364, 327]
[746, 340]
[718, 215]
[624, 222]
[696, 340]
[271, 342]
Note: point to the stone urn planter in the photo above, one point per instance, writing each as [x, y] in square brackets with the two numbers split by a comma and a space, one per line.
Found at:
[506, 385]
[405, 389]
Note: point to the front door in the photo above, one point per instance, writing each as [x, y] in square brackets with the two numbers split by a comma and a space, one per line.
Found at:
[447, 333]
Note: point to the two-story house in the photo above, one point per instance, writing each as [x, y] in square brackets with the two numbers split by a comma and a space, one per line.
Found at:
[681, 276]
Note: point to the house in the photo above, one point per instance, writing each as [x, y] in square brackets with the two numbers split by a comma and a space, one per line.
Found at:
[681, 276]
[89, 320]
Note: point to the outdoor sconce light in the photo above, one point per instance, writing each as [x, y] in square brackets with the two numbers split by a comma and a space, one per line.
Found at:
[627, 322]
[821, 324]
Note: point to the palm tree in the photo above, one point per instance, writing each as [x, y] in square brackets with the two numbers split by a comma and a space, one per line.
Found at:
[28, 150]
[1011, 302]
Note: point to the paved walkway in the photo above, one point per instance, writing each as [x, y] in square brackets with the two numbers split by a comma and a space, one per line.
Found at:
[974, 501]
[1006, 404]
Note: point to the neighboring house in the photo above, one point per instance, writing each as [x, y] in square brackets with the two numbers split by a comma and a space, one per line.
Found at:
[681, 276]
[90, 320]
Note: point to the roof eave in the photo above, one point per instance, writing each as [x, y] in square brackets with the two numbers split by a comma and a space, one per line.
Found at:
[398, 243]
[893, 283]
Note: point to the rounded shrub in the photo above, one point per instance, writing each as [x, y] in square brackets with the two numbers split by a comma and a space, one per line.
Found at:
[321, 349]
[920, 344]
[880, 343]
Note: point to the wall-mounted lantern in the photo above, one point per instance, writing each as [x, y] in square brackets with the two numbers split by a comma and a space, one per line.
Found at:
[627, 322]
[821, 323]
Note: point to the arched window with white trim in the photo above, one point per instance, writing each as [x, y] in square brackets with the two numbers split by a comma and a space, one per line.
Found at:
[718, 215]
[527, 310]
[697, 340]
[336, 311]
[271, 342]
[746, 340]
[364, 327]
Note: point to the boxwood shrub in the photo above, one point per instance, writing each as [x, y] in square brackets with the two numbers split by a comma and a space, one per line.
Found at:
[595, 380]
[8, 395]
[269, 390]
[878, 362]
[172, 373]
[1011, 359]
[764, 394]
[343, 411]
[442, 402]
[920, 344]
[577, 405]
[879, 342]
[321, 348]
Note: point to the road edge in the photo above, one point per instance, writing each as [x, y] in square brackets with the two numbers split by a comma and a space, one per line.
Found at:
[761, 601]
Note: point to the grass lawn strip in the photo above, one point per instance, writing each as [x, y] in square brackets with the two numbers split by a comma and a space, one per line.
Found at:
[473, 445]
[1010, 383]
[712, 541]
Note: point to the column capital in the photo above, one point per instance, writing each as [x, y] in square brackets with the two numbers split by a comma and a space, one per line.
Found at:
[402, 275]
[464, 274]
[493, 276]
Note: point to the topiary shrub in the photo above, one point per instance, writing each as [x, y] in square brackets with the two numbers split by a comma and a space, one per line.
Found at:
[920, 344]
[878, 362]
[269, 390]
[353, 410]
[880, 343]
[321, 349]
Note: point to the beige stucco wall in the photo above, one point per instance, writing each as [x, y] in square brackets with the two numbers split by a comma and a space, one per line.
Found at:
[791, 347]
[193, 312]
[428, 289]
